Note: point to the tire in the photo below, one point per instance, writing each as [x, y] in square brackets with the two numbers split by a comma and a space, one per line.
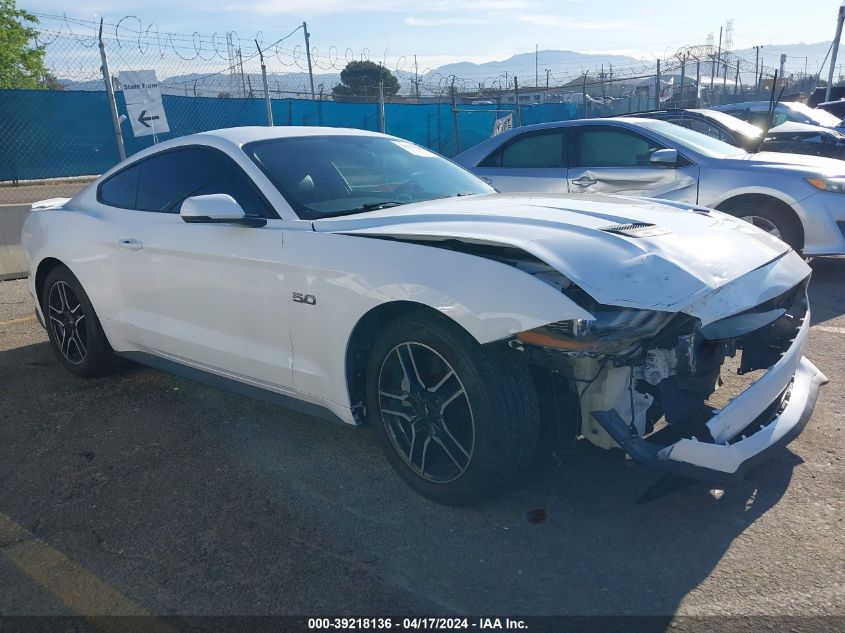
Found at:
[767, 217]
[75, 333]
[479, 426]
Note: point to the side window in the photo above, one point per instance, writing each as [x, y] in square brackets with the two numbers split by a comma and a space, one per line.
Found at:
[600, 146]
[120, 189]
[168, 178]
[535, 150]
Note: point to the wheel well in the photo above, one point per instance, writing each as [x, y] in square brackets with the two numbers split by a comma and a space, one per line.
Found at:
[768, 201]
[44, 268]
[361, 341]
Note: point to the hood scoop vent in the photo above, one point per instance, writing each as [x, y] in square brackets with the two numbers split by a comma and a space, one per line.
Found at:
[636, 229]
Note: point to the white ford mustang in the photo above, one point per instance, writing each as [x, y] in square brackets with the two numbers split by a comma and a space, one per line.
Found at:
[360, 277]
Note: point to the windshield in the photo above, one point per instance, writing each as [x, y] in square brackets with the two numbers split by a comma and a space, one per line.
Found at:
[813, 115]
[696, 141]
[738, 126]
[326, 176]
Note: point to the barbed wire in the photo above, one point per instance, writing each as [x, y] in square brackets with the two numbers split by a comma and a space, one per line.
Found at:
[226, 64]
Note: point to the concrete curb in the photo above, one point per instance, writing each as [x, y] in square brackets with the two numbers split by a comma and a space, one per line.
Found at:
[12, 262]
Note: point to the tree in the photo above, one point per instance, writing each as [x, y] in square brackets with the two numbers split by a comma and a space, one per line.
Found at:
[21, 62]
[361, 80]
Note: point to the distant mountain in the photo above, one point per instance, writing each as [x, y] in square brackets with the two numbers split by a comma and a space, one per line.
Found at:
[795, 54]
[564, 66]
[561, 63]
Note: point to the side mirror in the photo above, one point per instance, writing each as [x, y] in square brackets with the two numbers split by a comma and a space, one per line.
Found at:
[216, 208]
[665, 158]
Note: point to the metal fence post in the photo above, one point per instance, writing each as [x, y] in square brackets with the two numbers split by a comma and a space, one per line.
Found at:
[657, 84]
[584, 95]
[381, 105]
[455, 118]
[266, 88]
[308, 55]
[683, 77]
[118, 133]
[516, 97]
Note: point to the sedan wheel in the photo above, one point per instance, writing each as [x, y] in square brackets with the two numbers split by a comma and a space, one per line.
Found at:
[763, 223]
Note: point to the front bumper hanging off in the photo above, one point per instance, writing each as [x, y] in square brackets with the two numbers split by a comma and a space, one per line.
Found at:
[725, 460]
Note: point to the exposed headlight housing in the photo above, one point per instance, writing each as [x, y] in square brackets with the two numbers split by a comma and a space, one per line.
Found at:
[834, 185]
[613, 331]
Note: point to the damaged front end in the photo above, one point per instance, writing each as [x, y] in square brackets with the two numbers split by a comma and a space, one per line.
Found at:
[645, 381]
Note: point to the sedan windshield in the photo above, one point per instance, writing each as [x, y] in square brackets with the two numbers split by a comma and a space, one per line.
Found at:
[813, 116]
[696, 141]
[326, 176]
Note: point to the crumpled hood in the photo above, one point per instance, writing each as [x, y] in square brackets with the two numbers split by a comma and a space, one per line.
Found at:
[687, 253]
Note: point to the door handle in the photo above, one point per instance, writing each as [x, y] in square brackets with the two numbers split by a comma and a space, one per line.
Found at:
[131, 244]
[584, 181]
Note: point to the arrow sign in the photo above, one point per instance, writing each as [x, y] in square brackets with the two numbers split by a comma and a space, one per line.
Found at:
[143, 119]
[144, 104]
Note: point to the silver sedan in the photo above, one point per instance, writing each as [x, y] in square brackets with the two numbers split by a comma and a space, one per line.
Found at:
[796, 198]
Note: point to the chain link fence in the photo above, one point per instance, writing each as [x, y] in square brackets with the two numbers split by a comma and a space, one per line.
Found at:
[53, 141]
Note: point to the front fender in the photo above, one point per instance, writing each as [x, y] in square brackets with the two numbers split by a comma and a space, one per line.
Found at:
[348, 276]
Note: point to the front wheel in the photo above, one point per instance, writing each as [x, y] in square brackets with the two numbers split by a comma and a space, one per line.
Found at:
[771, 219]
[75, 333]
[457, 422]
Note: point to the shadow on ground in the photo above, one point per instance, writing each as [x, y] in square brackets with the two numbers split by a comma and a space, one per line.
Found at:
[827, 299]
[194, 501]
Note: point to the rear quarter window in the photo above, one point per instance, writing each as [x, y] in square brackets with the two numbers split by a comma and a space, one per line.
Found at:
[121, 189]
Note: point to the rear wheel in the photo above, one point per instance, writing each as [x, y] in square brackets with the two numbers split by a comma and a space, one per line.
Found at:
[75, 333]
[457, 422]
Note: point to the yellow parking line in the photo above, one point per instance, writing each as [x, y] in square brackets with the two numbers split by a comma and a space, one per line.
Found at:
[15, 321]
[75, 586]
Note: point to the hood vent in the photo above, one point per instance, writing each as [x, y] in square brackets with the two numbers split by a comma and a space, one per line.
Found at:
[636, 229]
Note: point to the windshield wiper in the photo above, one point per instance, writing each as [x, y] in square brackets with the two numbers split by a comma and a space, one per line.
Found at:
[373, 206]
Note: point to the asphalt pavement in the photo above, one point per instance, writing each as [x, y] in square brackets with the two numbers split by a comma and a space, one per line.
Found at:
[167, 497]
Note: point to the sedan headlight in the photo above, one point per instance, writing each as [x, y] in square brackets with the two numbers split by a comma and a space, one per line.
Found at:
[614, 330]
[835, 185]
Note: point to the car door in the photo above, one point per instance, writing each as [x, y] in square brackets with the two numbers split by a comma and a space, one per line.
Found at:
[608, 159]
[532, 161]
[213, 296]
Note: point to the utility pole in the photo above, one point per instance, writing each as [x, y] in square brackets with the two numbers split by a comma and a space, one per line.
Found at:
[536, 65]
[546, 96]
[757, 67]
[683, 77]
[516, 98]
[782, 63]
[717, 57]
[834, 49]
[118, 133]
[308, 55]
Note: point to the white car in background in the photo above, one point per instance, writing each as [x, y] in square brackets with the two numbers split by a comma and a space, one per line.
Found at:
[362, 278]
[799, 199]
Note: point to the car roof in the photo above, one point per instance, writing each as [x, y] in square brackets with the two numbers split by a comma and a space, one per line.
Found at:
[248, 134]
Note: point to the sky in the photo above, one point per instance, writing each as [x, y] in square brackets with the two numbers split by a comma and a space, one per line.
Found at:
[444, 31]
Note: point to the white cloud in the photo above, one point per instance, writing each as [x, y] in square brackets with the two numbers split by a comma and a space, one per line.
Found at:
[563, 22]
[311, 7]
[415, 21]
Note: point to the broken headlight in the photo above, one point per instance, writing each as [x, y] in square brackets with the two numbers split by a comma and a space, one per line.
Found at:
[613, 331]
